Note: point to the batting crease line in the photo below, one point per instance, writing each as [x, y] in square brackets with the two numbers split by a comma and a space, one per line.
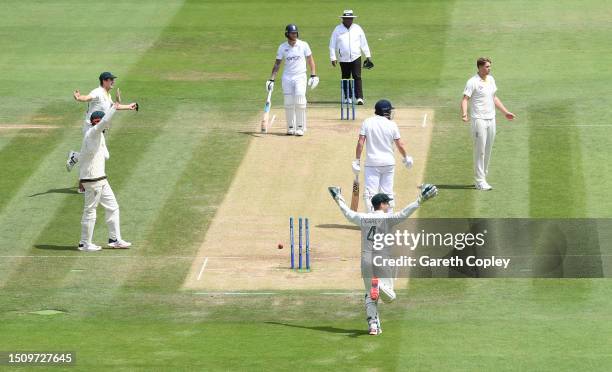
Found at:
[203, 266]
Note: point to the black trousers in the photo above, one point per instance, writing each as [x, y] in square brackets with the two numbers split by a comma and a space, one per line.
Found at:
[354, 69]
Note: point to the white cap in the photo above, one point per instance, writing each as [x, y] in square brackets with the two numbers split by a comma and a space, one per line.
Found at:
[348, 13]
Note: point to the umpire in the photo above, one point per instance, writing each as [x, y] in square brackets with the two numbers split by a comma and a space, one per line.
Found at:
[350, 41]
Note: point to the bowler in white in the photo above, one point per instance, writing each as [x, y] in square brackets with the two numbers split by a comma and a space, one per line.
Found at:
[480, 92]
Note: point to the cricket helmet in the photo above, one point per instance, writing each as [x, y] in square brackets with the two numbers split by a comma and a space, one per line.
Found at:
[383, 108]
[291, 28]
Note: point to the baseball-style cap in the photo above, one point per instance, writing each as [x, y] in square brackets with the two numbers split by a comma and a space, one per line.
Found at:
[380, 198]
[348, 13]
[96, 115]
[107, 75]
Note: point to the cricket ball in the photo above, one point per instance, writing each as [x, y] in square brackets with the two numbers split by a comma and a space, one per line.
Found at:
[280, 245]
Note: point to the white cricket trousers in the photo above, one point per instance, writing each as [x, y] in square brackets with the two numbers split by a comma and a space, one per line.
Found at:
[294, 91]
[96, 193]
[483, 136]
[378, 179]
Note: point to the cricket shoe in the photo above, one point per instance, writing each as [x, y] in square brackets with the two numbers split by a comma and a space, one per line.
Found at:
[89, 247]
[290, 132]
[299, 132]
[374, 290]
[360, 101]
[72, 160]
[374, 327]
[484, 186]
[118, 244]
[348, 101]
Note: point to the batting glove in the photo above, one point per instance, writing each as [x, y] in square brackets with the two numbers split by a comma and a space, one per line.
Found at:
[367, 64]
[408, 162]
[428, 191]
[356, 167]
[313, 81]
[269, 85]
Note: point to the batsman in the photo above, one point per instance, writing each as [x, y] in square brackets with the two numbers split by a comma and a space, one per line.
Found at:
[296, 53]
[380, 219]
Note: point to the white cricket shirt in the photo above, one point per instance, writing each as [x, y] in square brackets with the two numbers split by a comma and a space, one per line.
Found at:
[94, 153]
[481, 93]
[294, 57]
[380, 134]
[349, 43]
[100, 101]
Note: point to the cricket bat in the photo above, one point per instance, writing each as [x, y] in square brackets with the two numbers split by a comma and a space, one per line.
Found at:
[266, 115]
[355, 197]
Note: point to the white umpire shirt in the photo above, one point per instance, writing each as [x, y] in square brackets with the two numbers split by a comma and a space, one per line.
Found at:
[349, 43]
[294, 57]
[380, 134]
[94, 153]
[482, 94]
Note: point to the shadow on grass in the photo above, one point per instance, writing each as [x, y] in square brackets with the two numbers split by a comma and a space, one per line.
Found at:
[66, 190]
[259, 134]
[456, 187]
[329, 329]
[338, 226]
[56, 247]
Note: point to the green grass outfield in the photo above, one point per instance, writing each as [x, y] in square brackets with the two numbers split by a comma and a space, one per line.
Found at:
[198, 70]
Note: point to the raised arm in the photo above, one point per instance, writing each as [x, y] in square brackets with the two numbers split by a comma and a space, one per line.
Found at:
[105, 122]
[349, 214]
[428, 191]
[81, 98]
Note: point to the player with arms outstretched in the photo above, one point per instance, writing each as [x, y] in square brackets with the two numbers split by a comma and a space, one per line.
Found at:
[378, 286]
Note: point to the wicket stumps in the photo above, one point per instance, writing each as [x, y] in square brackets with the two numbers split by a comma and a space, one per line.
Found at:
[303, 242]
[347, 99]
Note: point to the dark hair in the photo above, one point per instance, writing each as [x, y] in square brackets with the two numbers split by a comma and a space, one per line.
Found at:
[482, 60]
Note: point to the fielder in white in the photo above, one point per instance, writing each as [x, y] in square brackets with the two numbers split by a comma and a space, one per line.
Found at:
[296, 53]
[379, 219]
[99, 99]
[379, 134]
[92, 176]
[480, 91]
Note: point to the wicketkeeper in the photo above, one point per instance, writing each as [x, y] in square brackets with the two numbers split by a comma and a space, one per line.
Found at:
[92, 174]
[378, 287]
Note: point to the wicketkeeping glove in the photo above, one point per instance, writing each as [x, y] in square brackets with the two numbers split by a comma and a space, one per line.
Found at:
[356, 167]
[408, 161]
[428, 191]
[335, 191]
[269, 85]
[313, 81]
[367, 64]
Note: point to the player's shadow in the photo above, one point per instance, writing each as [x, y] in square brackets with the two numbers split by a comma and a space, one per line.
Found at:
[329, 329]
[456, 187]
[259, 134]
[66, 190]
[51, 247]
[338, 226]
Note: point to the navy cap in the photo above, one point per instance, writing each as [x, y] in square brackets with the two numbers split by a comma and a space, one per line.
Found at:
[107, 75]
[378, 199]
[96, 115]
